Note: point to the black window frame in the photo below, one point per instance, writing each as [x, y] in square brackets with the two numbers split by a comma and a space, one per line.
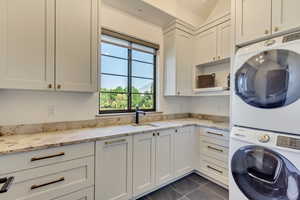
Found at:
[131, 108]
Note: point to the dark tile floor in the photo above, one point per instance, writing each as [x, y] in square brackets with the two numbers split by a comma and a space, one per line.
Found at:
[192, 187]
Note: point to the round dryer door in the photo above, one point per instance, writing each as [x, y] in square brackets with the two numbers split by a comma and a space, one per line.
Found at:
[269, 79]
[262, 174]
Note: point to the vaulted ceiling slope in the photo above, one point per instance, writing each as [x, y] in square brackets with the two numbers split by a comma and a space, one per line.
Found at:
[202, 8]
[194, 12]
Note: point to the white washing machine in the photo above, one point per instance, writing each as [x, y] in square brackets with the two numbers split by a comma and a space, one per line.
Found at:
[263, 165]
[266, 85]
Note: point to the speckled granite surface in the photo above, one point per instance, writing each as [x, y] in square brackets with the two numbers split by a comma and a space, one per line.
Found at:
[28, 142]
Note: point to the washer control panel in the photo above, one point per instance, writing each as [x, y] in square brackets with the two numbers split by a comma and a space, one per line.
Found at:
[288, 142]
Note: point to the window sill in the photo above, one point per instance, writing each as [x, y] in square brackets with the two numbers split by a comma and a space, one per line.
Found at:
[124, 114]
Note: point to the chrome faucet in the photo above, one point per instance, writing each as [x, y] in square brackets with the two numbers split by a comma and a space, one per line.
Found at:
[137, 114]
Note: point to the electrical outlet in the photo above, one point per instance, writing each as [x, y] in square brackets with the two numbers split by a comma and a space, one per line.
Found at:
[51, 110]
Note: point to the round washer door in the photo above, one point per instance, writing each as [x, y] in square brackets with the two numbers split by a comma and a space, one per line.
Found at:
[262, 174]
[269, 79]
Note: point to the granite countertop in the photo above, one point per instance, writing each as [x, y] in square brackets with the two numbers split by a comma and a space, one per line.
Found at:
[38, 141]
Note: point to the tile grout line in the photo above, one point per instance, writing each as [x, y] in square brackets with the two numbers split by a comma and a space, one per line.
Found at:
[200, 185]
[219, 195]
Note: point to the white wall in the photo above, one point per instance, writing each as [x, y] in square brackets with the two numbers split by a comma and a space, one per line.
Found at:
[218, 105]
[23, 107]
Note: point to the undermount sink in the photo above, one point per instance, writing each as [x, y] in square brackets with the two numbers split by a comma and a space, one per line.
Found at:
[140, 125]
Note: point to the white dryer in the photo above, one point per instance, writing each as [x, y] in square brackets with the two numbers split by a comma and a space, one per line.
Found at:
[267, 85]
[263, 165]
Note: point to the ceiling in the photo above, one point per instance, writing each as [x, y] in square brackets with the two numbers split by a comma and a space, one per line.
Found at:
[202, 8]
[154, 13]
[141, 10]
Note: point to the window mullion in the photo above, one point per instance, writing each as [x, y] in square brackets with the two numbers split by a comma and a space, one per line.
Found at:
[129, 78]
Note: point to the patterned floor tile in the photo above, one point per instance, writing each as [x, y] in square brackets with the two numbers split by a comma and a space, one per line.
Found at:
[203, 194]
[166, 193]
[184, 186]
[198, 179]
[218, 189]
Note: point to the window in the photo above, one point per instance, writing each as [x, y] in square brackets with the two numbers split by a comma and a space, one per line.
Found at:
[128, 75]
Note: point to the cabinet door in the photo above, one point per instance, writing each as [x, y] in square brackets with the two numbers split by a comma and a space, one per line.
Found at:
[114, 169]
[164, 157]
[206, 46]
[184, 150]
[253, 19]
[184, 63]
[170, 87]
[143, 163]
[285, 15]
[87, 194]
[76, 45]
[27, 44]
[224, 40]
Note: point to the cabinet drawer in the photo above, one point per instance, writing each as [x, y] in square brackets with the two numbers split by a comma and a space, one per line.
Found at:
[51, 181]
[86, 194]
[216, 162]
[214, 151]
[214, 171]
[214, 133]
[27, 160]
[224, 143]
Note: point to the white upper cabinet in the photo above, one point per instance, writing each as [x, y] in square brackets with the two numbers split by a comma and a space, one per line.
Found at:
[224, 40]
[213, 44]
[253, 19]
[256, 19]
[184, 63]
[178, 63]
[27, 44]
[206, 46]
[76, 45]
[285, 15]
[48, 44]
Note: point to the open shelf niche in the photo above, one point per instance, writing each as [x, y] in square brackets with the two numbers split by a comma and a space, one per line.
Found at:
[221, 69]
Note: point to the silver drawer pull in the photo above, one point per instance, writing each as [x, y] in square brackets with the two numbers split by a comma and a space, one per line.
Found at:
[33, 187]
[115, 141]
[217, 134]
[212, 168]
[47, 157]
[215, 149]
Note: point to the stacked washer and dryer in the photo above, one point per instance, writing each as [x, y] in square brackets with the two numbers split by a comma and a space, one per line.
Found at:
[265, 138]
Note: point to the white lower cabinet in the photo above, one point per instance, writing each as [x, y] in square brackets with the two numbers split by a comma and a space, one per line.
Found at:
[184, 150]
[214, 146]
[153, 160]
[86, 194]
[47, 174]
[114, 169]
[143, 163]
[164, 156]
